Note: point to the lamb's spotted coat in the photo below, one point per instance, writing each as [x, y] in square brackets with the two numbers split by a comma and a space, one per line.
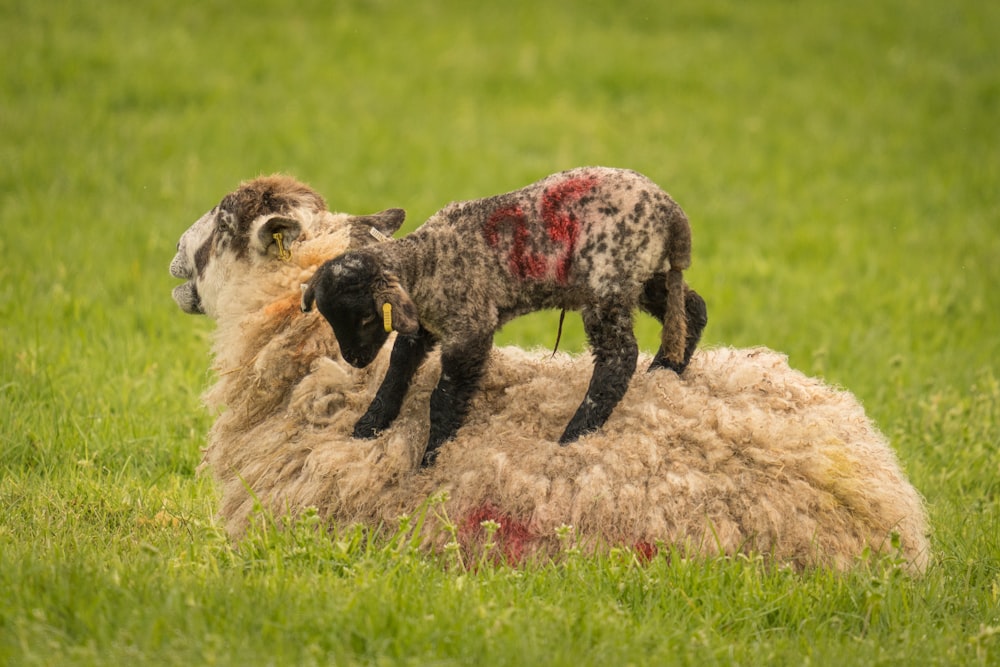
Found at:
[599, 240]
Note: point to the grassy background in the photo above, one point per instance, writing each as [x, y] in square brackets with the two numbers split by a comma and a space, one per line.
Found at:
[840, 163]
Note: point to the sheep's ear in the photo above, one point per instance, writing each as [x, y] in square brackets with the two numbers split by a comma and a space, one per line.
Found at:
[367, 229]
[278, 232]
[401, 311]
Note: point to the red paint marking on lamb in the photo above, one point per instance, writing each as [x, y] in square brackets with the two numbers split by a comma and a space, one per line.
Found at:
[521, 263]
[561, 223]
[512, 214]
[512, 538]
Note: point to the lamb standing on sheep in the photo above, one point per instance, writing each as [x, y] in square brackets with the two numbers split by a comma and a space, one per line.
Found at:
[599, 240]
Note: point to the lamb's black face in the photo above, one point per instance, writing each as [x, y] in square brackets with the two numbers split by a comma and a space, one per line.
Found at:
[343, 288]
[360, 338]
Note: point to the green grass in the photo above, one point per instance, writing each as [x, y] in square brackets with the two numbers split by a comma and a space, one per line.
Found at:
[840, 162]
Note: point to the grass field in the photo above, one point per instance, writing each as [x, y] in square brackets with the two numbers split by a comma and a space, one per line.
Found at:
[840, 163]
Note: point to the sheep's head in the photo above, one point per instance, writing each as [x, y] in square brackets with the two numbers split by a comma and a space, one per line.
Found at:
[252, 228]
[363, 303]
[242, 231]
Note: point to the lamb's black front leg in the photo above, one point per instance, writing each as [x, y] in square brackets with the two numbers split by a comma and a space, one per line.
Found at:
[462, 369]
[615, 351]
[408, 352]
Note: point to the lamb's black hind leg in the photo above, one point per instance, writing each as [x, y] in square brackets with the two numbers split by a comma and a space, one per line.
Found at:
[654, 302]
[615, 351]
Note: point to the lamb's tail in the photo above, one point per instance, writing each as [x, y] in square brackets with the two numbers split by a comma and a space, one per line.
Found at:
[673, 336]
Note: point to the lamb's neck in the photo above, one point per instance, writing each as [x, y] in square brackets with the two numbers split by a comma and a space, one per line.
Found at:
[403, 258]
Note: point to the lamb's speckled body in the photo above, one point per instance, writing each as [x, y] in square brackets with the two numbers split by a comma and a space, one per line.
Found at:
[599, 240]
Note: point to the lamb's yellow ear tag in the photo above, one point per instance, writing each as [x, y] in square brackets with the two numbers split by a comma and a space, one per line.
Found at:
[387, 317]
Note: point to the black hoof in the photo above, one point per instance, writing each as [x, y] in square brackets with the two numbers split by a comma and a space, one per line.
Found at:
[665, 363]
[365, 432]
[429, 458]
[569, 437]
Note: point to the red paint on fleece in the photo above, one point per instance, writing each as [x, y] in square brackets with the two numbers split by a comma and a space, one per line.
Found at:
[512, 538]
[646, 551]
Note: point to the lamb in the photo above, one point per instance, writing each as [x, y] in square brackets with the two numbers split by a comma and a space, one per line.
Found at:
[599, 240]
[740, 455]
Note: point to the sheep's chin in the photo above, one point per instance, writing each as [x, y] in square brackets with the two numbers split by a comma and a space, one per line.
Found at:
[187, 298]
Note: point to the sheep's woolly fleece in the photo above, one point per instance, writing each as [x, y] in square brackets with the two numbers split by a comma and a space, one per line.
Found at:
[739, 454]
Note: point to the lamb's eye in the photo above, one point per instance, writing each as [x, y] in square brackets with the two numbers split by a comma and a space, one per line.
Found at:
[366, 321]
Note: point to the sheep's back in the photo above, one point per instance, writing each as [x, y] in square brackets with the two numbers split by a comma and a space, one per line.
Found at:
[740, 454]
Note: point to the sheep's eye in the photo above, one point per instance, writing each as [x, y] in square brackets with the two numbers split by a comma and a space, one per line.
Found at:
[366, 321]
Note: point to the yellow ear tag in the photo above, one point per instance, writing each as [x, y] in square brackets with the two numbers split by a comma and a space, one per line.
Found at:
[282, 253]
[387, 317]
[377, 235]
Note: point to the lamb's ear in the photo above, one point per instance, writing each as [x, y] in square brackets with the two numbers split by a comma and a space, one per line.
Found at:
[384, 223]
[401, 314]
[278, 232]
[388, 221]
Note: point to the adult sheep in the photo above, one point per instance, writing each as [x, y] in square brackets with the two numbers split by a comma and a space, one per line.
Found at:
[740, 454]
